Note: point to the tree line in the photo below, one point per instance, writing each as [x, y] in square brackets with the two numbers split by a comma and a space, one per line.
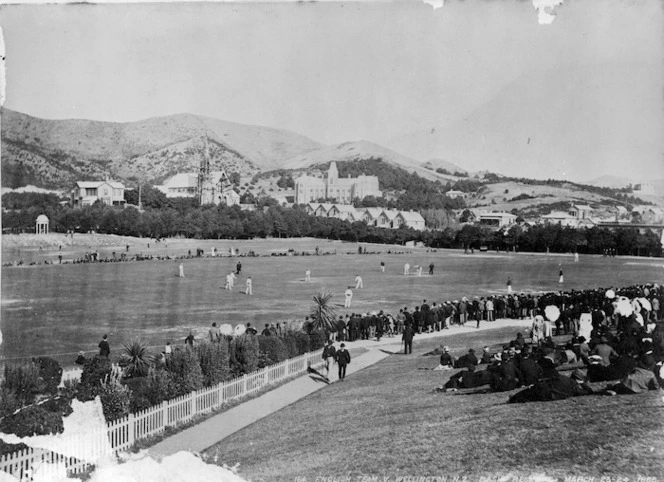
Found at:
[269, 219]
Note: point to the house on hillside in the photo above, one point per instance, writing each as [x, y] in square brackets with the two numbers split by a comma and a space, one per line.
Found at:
[388, 218]
[497, 220]
[86, 193]
[309, 188]
[580, 211]
[323, 210]
[560, 218]
[455, 194]
[648, 214]
[180, 185]
[345, 212]
[411, 219]
[644, 188]
[371, 216]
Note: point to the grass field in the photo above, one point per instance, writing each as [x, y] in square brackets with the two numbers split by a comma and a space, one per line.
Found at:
[386, 421]
[61, 309]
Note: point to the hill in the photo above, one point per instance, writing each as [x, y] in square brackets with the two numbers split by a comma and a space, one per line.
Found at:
[55, 153]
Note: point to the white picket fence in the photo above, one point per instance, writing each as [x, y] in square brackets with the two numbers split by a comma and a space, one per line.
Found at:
[125, 432]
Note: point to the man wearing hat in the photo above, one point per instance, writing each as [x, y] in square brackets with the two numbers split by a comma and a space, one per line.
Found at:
[466, 360]
[343, 359]
[329, 353]
[446, 360]
[407, 338]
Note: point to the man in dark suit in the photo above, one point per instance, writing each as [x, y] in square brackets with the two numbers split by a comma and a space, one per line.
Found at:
[407, 338]
[343, 359]
[104, 347]
[329, 353]
[466, 360]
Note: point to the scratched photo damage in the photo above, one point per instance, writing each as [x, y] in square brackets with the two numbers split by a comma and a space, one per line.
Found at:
[332, 241]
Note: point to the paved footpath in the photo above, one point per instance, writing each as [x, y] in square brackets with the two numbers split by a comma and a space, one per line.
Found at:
[216, 428]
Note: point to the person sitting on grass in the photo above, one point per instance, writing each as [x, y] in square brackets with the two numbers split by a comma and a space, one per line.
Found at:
[447, 360]
[530, 370]
[466, 360]
[509, 376]
[551, 386]
[487, 357]
[468, 379]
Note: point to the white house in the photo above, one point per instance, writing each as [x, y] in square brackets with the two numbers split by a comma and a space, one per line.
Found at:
[580, 211]
[497, 220]
[561, 218]
[86, 193]
[455, 194]
[411, 219]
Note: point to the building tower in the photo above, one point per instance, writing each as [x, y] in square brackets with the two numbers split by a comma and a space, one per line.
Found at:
[205, 187]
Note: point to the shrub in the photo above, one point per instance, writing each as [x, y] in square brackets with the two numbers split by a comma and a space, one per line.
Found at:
[136, 359]
[185, 371]
[246, 353]
[316, 340]
[214, 361]
[59, 405]
[8, 402]
[22, 379]
[151, 390]
[291, 344]
[115, 399]
[50, 374]
[95, 371]
[32, 420]
[274, 348]
[303, 342]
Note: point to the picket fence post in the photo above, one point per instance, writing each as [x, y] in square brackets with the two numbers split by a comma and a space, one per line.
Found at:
[131, 430]
[164, 414]
[192, 404]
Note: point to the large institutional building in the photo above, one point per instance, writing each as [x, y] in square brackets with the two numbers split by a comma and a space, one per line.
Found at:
[311, 188]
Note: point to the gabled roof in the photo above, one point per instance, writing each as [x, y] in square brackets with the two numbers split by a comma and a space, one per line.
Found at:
[390, 214]
[325, 206]
[411, 216]
[373, 212]
[346, 208]
[498, 215]
[582, 207]
[558, 215]
[96, 184]
[182, 180]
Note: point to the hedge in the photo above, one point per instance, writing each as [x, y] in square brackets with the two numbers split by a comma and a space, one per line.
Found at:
[274, 348]
[22, 379]
[50, 374]
[215, 362]
[32, 420]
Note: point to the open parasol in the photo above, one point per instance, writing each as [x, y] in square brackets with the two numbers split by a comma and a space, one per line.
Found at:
[552, 312]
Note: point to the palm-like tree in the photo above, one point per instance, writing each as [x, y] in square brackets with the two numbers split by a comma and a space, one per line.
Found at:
[136, 359]
[323, 315]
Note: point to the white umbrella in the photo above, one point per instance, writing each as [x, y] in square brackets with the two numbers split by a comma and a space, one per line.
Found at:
[645, 303]
[226, 329]
[552, 312]
[623, 306]
[240, 329]
[639, 319]
[610, 294]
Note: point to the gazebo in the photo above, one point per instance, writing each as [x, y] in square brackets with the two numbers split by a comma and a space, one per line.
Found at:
[41, 226]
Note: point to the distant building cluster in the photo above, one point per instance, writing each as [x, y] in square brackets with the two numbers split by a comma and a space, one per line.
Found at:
[577, 216]
[345, 190]
[379, 217]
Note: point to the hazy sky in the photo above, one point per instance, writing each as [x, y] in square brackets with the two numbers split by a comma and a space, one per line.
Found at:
[343, 71]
